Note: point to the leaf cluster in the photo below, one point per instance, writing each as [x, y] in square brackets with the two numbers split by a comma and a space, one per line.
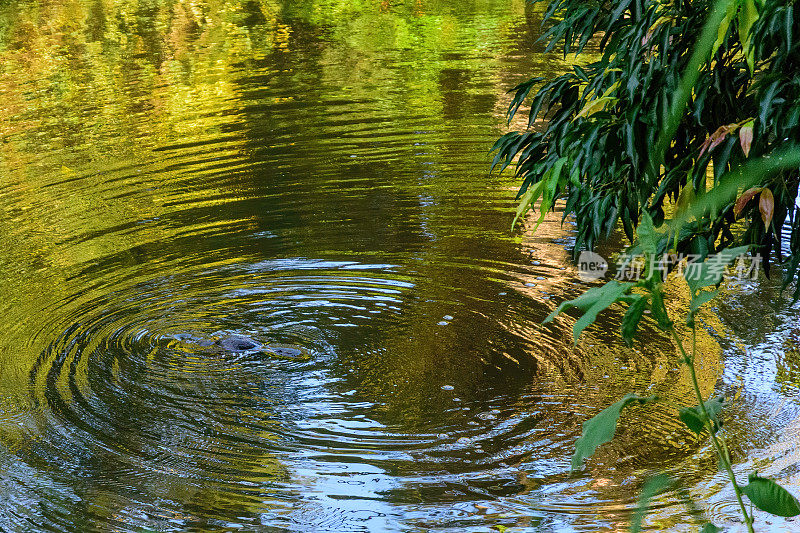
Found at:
[603, 121]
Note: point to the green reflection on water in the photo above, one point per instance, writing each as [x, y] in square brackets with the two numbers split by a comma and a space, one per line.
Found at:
[313, 173]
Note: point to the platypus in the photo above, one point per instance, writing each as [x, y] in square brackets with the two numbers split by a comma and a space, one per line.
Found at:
[237, 344]
[226, 344]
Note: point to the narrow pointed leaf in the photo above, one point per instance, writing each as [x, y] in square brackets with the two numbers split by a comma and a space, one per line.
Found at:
[746, 137]
[686, 196]
[614, 291]
[689, 78]
[701, 298]
[748, 15]
[766, 204]
[722, 31]
[716, 138]
[771, 497]
[594, 106]
[592, 302]
[692, 419]
[630, 322]
[647, 234]
[659, 310]
[744, 199]
[530, 196]
[601, 428]
[552, 181]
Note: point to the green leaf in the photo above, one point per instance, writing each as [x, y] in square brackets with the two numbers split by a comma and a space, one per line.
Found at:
[630, 322]
[650, 490]
[659, 310]
[601, 428]
[683, 91]
[686, 197]
[710, 271]
[646, 232]
[594, 106]
[748, 15]
[551, 181]
[530, 196]
[722, 31]
[714, 408]
[592, 302]
[700, 299]
[694, 418]
[711, 528]
[744, 176]
[771, 497]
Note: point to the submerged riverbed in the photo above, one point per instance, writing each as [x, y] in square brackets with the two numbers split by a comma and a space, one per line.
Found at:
[312, 175]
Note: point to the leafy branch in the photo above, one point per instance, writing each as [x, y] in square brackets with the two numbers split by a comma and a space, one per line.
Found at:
[636, 128]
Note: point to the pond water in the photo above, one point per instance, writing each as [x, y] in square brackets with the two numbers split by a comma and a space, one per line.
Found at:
[310, 178]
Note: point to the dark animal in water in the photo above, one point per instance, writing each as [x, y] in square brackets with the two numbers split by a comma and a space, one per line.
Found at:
[236, 344]
[285, 351]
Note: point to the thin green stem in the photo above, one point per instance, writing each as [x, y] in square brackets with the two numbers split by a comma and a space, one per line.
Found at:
[719, 445]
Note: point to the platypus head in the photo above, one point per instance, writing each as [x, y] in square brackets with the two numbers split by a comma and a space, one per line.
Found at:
[237, 344]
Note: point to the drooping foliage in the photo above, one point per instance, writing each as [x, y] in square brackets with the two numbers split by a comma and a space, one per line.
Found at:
[689, 115]
[592, 132]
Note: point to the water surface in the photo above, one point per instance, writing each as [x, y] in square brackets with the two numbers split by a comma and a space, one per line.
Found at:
[312, 174]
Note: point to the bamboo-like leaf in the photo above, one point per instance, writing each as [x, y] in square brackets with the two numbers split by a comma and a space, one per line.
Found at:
[744, 199]
[746, 136]
[594, 106]
[552, 181]
[722, 31]
[601, 428]
[686, 196]
[766, 204]
[530, 196]
[771, 497]
[688, 81]
[701, 298]
[748, 15]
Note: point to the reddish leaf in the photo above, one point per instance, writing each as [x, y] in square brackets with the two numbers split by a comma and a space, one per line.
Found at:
[704, 147]
[744, 199]
[766, 204]
[716, 138]
[746, 137]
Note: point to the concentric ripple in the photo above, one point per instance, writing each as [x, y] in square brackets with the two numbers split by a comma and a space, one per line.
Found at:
[255, 276]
